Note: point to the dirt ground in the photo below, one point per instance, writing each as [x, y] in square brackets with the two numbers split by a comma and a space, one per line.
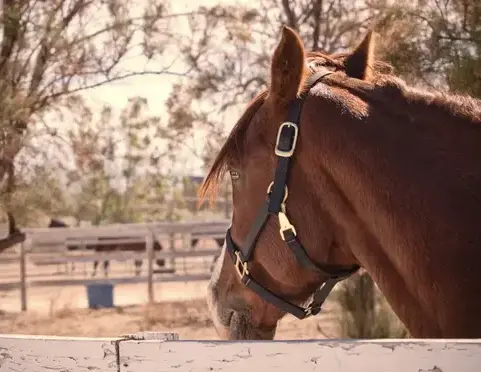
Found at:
[180, 307]
[187, 317]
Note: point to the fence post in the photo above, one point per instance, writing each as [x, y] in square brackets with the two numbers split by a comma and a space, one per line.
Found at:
[149, 246]
[23, 275]
[170, 218]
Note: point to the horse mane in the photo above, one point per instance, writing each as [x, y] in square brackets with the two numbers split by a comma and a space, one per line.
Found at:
[232, 146]
[416, 103]
[383, 87]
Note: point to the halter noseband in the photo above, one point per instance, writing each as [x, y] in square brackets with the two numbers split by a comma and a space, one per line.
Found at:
[276, 205]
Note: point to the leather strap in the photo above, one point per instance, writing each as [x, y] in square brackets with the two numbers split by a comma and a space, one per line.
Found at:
[293, 116]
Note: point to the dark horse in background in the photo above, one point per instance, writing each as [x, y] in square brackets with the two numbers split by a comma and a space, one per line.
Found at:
[15, 236]
[135, 247]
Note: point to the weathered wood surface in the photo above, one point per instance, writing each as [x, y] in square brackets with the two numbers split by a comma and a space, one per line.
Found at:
[149, 352]
[166, 278]
[43, 236]
[331, 356]
[111, 241]
[42, 354]
[56, 259]
[8, 258]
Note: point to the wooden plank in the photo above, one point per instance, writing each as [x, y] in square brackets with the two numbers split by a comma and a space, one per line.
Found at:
[45, 238]
[43, 353]
[23, 276]
[209, 235]
[55, 235]
[164, 270]
[109, 241]
[153, 351]
[149, 335]
[8, 258]
[119, 256]
[136, 240]
[280, 356]
[167, 278]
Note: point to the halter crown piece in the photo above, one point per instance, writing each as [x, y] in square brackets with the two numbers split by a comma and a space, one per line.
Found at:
[275, 204]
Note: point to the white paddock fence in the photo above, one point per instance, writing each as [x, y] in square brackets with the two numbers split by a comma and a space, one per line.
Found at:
[162, 352]
[47, 246]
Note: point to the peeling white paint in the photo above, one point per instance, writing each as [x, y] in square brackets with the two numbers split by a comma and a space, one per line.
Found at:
[158, 352]
[41, 354]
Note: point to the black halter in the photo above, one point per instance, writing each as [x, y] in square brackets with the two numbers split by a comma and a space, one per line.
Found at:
[275, 205]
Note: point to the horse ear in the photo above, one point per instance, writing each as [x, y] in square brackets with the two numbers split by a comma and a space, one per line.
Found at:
[288, 67]
[359, 63]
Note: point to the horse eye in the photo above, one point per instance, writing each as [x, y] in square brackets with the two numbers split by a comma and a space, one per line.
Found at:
[234, 175]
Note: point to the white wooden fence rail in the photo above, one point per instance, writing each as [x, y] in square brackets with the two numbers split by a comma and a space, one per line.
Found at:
[47, 236]
[165, 352]
[41, 238]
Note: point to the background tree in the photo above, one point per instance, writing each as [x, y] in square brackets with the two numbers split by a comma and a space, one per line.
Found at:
[433, 43]
[112, 167]
[52, 49]
[229, 48]
[430, 43]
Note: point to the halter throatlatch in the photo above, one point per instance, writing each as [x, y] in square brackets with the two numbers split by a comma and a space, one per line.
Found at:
[275, 205]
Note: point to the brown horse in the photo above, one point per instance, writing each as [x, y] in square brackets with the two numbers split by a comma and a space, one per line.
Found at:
[380, 175]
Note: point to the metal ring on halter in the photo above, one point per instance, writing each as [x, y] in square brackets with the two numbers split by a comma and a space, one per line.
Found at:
[286, 191]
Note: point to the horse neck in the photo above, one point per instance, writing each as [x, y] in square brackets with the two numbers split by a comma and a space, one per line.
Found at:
[389, 185]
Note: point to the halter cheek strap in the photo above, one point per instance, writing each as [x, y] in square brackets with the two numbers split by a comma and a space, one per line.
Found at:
[275, 205]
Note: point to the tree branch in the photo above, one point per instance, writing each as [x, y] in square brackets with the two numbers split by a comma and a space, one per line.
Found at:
[117, 78]
[291, 17]
[316, 19]
[11, 29]
[43, 55]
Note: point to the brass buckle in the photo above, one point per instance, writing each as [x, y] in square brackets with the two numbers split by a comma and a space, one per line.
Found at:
[285, 224]
[288, 153]
[286, 191]
[240, 266]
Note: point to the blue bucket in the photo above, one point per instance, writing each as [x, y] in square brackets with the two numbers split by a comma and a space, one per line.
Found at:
[100, 295]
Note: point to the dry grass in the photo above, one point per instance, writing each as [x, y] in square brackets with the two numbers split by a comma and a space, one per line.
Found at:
[364, 312]
[65, 321]
[177, 314]
[356, 310]
[190, 319]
